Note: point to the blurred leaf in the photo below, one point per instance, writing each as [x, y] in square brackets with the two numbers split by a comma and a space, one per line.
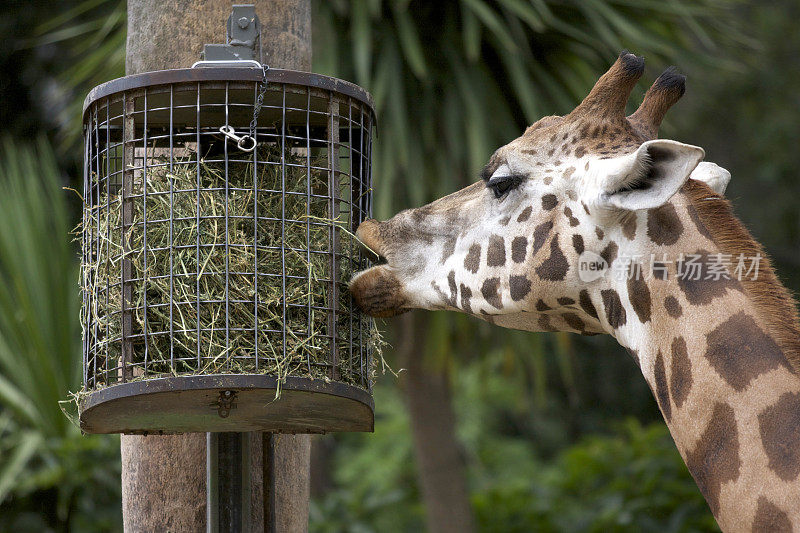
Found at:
[26, 446]
[41, 452]
[90, 36]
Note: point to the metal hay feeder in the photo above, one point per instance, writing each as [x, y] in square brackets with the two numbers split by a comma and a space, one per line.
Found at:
[212, 275]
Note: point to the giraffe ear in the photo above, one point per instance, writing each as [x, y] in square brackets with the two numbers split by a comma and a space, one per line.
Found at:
[712, 175]
[648, 177]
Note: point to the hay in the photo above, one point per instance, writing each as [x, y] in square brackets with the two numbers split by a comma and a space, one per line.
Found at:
[199, 333]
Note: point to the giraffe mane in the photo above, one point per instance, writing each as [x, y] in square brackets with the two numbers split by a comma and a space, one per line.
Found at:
[773, 302]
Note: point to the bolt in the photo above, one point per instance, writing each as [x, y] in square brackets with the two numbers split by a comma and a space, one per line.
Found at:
[243, 22]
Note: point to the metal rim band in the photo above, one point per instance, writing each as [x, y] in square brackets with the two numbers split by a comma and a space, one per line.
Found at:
[193, 75]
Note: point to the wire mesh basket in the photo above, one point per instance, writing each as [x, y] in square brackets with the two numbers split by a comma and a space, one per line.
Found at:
[214, 273]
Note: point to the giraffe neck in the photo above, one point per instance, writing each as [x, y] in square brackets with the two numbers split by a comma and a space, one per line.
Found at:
[728, 393]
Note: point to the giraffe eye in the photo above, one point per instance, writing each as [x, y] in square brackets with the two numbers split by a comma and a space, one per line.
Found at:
[500, 185]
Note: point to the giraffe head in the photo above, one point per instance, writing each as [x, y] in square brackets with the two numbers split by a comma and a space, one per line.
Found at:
[510, 247]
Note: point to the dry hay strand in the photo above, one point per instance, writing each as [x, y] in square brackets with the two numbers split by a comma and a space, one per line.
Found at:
[197, 305]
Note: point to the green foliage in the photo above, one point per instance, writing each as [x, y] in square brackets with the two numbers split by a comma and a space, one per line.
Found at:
[374, 475]
[452, 81]
[43, 457]
[627, 477]
[760, 133]
[455, 80]
[624, 476]
[90, 38]
[37, 263]
[632, 480]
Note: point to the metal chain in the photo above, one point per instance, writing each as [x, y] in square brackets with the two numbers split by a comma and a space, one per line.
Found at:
[248, 143]
[259, 101]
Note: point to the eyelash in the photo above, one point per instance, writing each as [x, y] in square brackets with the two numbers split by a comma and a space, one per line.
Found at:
[505, 184]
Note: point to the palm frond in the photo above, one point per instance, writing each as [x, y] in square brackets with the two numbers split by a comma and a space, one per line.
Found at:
[40, 357]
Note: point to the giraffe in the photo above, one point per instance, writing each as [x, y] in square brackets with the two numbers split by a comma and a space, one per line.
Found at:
[557, 234]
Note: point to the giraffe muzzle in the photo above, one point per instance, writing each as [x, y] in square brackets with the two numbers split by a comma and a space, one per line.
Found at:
[369, 236]
[377, 291]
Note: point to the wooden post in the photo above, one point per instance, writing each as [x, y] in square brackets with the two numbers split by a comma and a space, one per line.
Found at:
[164, 477]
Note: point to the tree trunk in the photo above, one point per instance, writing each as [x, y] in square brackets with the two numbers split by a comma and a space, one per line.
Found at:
[322, 449]
[164, 482]
[291, 458]
[163, 477]
[166, 34]
[440, 463]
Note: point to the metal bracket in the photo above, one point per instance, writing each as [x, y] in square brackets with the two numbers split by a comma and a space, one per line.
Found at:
[225, 403]
[243, 41]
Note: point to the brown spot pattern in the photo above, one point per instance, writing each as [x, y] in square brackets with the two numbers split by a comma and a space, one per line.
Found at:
[490, 293]
[599, 233]
[472, 261]
[780, 434]
[565, 300]
[770, 518]
[520, 286]
[673, 307]
[519, 249]
[496, 252]
[549, 201]
[525, 214]
[466, 295]
[662, 392]
[639, 294]
[609, 253]
[544, 323]
[660, 270]
[451, 284]
[555, 267]
[540, 234]
[629, 226]
[448, 249]
[615, 313]
[572, 220]
[586, 303]
[449, 300]
[574, 321]
[680, 376]
[663, 225]
[715, 458]
[692, 280]
[740, 351]
[577, 243]
[698, 223]
[541, 306]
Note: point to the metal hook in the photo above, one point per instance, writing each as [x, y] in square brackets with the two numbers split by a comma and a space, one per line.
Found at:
[243, 142]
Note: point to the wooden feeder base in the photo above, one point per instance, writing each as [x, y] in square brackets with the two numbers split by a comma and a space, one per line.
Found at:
[227, 402]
